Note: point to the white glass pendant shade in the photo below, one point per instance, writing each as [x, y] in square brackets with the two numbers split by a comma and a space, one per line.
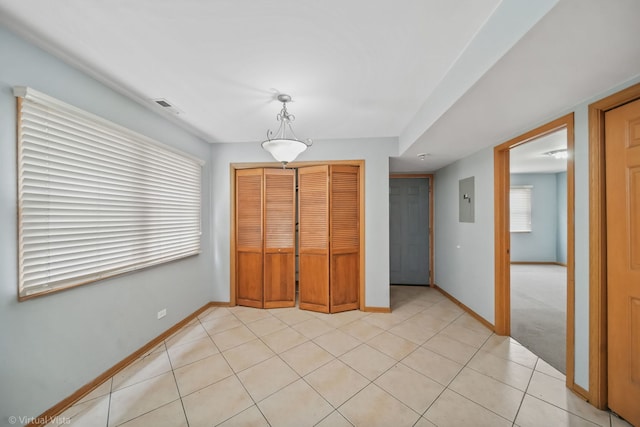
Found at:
[284, 150]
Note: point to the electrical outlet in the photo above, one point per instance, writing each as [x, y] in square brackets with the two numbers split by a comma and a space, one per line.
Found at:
[162, 313]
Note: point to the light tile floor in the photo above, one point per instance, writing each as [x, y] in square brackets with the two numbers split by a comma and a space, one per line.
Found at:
[427, 363]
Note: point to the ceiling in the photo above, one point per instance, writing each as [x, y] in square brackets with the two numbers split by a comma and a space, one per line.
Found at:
[444, 77]
[531, 157]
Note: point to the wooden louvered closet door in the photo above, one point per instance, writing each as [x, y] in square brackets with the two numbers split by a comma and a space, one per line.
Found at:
[345, 238]
[279, 238]
[249, 237]
[313, 202]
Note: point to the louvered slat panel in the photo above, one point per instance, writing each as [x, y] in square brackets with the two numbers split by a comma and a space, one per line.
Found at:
[314, 213]
[344, 210]
[279, 208]
[249, 209]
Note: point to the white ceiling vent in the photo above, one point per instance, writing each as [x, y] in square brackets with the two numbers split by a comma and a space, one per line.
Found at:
[167, 106]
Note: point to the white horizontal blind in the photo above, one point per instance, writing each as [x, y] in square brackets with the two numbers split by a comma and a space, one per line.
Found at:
[520, 208]
[96, 199]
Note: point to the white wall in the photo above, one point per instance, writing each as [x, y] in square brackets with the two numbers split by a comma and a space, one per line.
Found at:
[375, 153]
[464, 251]
[52, 345]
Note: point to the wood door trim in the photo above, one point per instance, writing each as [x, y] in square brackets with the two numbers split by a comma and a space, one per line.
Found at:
[431, 178]
[597, 393]
[502, 235]
[232, 244]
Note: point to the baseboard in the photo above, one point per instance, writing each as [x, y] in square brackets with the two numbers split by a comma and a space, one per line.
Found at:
[377, 309]
[538, 263]
[472, 313]
[63, 405]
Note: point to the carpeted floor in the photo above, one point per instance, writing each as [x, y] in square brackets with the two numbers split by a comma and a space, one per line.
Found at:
[538, 311]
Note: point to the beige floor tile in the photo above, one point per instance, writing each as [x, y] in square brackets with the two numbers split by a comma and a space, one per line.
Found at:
[535, 413]
[545, 368]
[409, 308]
[453, 410]
[338, 320]
[267, 377]
[292, 317]
[368, 361]
[423, 422]
[142, 369]
[220, 324]
[334, 419]
[252, 314]
[509, 349]
[246, 355]
[414, 331]
[216, 403]
[90, 413]
[306, 357]
[251, 417]
[187, 334]
[169, 415]
[467, 321]
[431, 364]
[266, 326]
[214, 312]
[313, 328]
[361, 330]
[385, 320]
[555, 392]
[102, 390]
[297, 405]
[410, 387]
[284, 340]
[233, 337]
[450, 348]
[503, 370]
[193, 351]
[430, 322]
[336, 382]
[498, 397]
[392, 345]
[445, 311]
[143, 397]
[201, 374]
[337, 342]
[375, 407]
[466, 336]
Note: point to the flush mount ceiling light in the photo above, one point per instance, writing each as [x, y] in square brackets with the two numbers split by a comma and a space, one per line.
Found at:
[558, 154]
[422, 156]
[285, 146]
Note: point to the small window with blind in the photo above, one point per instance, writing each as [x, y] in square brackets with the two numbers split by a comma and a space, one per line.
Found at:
[520, 208]
[95, 199]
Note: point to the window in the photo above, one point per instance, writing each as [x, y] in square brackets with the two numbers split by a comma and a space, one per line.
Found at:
[520, 208]
[96, 199]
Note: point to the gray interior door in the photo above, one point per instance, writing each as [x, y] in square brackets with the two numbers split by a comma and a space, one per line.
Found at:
[409, 231]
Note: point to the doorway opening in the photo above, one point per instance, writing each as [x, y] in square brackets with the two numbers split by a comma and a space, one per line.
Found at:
[538, 246]
[411, 229]
[503, 236]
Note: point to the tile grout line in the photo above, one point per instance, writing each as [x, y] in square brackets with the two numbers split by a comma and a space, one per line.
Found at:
[173, 372]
